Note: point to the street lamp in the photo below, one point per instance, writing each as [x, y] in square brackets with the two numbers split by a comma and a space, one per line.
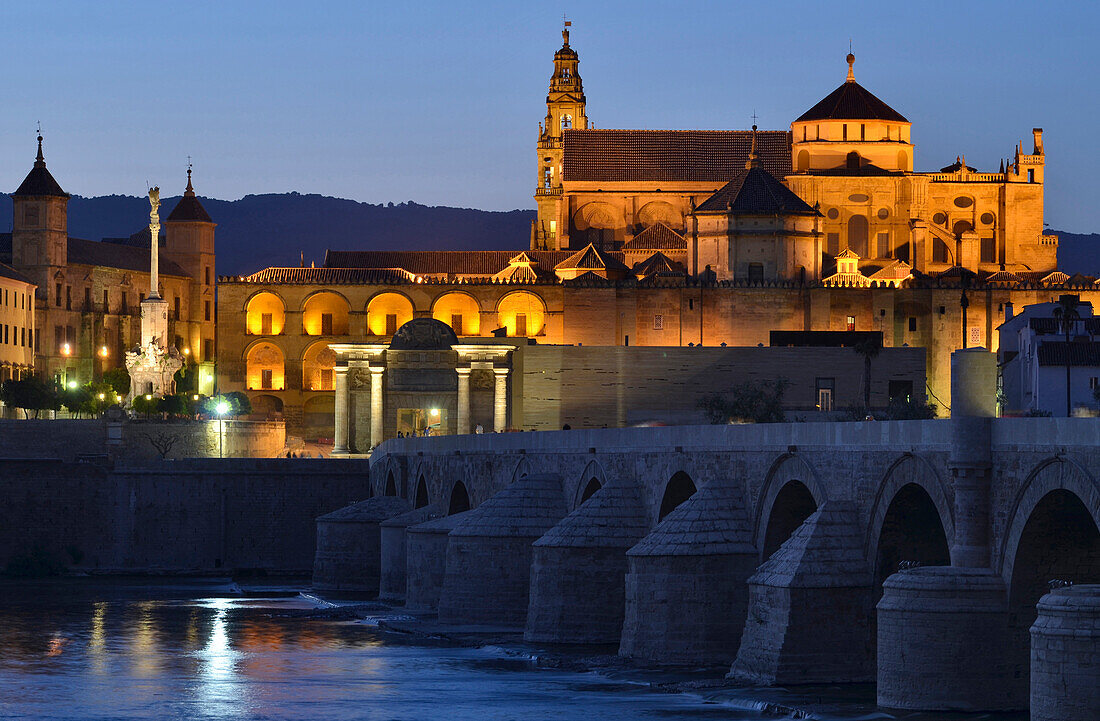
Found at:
[72, 385]
[221, 409]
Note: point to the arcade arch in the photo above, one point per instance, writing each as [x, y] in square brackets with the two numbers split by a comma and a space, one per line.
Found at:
[325, 313]
[317, 368]
[265, 314]
[265, 368]
[388, 311]
[460, 311]
[521, 314]
[792, 506]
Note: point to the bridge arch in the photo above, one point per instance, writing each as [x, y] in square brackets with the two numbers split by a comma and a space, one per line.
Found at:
[421, 497]
[911, 520]
[678, 489]
[592, 479]
[791, 492]
[458, 500]
[523, 468]
[1053, 534]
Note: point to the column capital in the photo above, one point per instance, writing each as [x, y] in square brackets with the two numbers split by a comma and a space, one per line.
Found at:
[501, 371]
[463, 371]
[340, 369]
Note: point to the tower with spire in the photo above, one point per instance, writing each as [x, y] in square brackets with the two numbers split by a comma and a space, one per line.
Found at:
[40, 229]
[565, 110]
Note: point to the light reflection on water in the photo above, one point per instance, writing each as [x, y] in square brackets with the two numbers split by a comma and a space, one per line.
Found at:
[83, 651]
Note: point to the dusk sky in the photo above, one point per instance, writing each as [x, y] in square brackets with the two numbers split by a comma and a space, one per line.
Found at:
[439, 102]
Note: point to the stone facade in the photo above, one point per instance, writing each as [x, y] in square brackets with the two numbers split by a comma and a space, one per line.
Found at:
[349, 545]
[1065, 655]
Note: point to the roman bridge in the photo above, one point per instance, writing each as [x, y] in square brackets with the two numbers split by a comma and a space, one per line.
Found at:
[796, 553]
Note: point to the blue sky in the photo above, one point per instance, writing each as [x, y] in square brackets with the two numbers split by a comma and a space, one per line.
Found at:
[439, 102]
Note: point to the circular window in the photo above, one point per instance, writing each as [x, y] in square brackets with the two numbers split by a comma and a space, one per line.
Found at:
[963, 202]
[883, 213]
[834, 213]
[939, 218]
[859, 198]
[987, 218]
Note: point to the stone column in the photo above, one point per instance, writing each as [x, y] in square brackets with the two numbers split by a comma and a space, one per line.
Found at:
[973, 407]
[500, 400]
[340, 444]
[462, 426]
[376, 406]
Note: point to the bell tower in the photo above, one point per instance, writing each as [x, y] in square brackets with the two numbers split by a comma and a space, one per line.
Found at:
[564, 111]
[40, 228]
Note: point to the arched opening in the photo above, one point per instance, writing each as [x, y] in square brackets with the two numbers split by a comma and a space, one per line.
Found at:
[265, 314]
[386, 312]
[793, 504]
[961, 227]
[590, 488]
[318, 363]
[391, 485]
[266, 407]
[857, 235]
[940, 252]
[852, 162]
[421, 493]
[660, 212]
[521, 314]
[264, 368]
[911, 532]
[1060, 542]
[319, 418]
[680, 488]
[803, 161]
[460, 499]
[325, 313]
[460, 311]
[903, 160]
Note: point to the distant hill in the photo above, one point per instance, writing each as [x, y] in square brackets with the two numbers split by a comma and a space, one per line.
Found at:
[258, 231]
[1079, 252]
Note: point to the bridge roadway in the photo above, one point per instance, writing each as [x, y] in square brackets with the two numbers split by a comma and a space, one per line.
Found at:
[767, 546]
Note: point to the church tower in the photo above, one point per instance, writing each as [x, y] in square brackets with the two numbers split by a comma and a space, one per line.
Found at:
[189, 241]
[40, 230]
[564, 111]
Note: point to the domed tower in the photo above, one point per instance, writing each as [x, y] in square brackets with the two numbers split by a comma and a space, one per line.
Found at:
[189, 241]
[40, 229]
[564, 111]
[851, 129]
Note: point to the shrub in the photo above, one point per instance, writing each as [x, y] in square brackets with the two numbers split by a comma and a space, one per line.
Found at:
[751, 401]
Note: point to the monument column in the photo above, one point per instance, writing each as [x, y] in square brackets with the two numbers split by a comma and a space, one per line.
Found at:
[500, 400]
[340, 445]
[462, 426]
[375, 406]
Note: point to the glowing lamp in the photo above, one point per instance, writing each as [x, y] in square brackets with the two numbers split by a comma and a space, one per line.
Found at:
[72, 385]
[102, 396]
[194, 397]
[435, 411]
[66, 349]
[148, 397]
[103, 351]
[222, 408]
[187, 351]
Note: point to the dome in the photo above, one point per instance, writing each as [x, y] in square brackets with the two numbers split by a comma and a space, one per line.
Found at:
[424, 334]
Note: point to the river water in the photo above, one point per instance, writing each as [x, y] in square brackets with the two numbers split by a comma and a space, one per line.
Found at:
[80, 649]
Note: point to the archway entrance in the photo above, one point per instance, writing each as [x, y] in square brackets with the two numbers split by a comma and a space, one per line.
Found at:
[793, 504]
[911, 532]
[460, 499]
[680, 488]
[1060, 542]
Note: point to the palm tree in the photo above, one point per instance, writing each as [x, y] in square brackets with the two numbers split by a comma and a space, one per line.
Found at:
[1067, 316]
[868, 348]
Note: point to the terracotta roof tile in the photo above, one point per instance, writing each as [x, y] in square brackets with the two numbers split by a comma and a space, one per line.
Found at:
[331, 276]
[756, 192]
[656, 237]
[1079, 353]
[440, 262]
[851, 101]
[669, 155]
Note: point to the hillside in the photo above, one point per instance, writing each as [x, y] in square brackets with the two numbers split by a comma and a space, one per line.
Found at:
[258, 231]
[1079, 252]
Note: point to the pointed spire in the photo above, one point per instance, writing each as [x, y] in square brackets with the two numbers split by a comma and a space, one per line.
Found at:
[40, 160]
[753, 161]
[190, 191]
[851, 71]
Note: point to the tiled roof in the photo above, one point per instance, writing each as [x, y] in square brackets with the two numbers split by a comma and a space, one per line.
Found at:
[189, 209]
[123, 257]
[656, 237]
[756, 192]
[331, 276]
[1056, 278]
[847, 253]
[670, 155]
[6, 271]
[1053, 326]
[1080, 353]
[39, 181]
[590, 258]
[851, 101]
[895, 270]
[440, 262]
[659, 264]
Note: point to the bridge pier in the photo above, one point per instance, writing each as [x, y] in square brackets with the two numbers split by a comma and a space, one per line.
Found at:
[394, 551]
[488, 577]
[686, 593]
[1065, 656]
[579, 567]
[348, 556]
[426, 561]
[810, 607]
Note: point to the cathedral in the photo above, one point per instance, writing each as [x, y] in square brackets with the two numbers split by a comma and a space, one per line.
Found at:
[683, 238]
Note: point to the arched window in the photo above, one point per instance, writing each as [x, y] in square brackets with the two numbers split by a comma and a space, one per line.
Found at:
[853, 161]
[803, 160]
[386, 312]
[857, 235]
[961, 227]
[325, 313]
[264, 368]
[265, 314]
[317, 368]
[521, 314]
[460, 311]
[566, 122]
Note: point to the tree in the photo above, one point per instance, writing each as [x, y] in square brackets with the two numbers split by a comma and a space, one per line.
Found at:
[162, 441]
[175, 405]
[242, 404]
[30, 394]
[187, 378]
[869, 348]
[146, 404]
[751, 401]
[118, 379]
[77, 400]
[1067, 315]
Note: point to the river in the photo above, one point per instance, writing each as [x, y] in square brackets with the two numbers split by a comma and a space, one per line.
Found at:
[84, 649]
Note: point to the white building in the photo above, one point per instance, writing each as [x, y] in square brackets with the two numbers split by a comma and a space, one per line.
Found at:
[1033, 357]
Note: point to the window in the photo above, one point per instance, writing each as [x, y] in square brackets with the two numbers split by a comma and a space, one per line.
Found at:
[57, 295]
[87, 299]
[206, 274]
[1031, 175]
[912, 324]
[824, 393]
[884, 245]
[521, 324]
[804, 127]
[862, 131]
[23, 337]
[326, 324]
[456, 323]
[658, 322]
[691, 304]
[265, 324]
[989, 250]
[391, 323]
[30, 215]
[206, 309]
[566, 122]
[756, 272]
[58, 338]
[68, 297]
[553, 228]
[900, 391]
[326, 379]
[832, 244]
[845, 132]
[176, 308]
[208, 350]
[265, 379]
[106, 301]
[851, 322]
